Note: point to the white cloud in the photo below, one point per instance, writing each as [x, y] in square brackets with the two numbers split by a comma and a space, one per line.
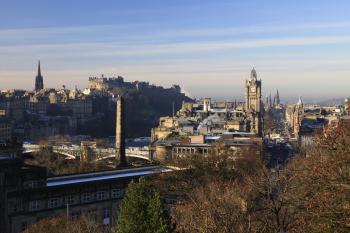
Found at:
[163, 63]
[120, 49]
[118, 29]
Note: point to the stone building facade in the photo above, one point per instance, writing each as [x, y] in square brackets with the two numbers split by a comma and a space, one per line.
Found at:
[347, 106]
[294, 117]
[5, 129]
[45, 112]
[216, 121]
[28, 196]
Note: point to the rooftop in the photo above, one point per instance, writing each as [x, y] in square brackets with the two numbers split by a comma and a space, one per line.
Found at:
[106, 175]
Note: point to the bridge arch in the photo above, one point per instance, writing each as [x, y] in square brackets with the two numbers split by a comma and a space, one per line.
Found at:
[70, 156]
[74, 153]
[127, 155]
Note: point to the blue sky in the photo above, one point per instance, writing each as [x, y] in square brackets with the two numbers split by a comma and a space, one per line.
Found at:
[208, 47]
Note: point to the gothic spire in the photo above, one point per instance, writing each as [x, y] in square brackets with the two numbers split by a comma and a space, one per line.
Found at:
[253, 74]
[300, 102]
[39, 80]
[278, 101]
[39, 70]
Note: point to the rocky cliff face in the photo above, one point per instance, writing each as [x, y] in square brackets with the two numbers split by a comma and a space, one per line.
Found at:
[143, 108]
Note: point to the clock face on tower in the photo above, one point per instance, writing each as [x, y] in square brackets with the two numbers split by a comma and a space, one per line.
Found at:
[252, 89]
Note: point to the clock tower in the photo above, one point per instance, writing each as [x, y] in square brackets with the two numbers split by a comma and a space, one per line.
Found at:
[253, 93]
[253, 105]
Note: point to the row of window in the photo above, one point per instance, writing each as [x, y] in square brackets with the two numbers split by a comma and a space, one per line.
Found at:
[74, 199]
[106, 214]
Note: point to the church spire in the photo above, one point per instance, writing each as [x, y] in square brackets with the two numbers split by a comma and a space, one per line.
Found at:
[278, 101]
[39, 80]
[300, 102]
[39, 70]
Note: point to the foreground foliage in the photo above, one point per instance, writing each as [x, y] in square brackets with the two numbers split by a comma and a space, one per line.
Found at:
[60, 224]
[218, 194]
[142, 210]
[310, 194]
[58, 165]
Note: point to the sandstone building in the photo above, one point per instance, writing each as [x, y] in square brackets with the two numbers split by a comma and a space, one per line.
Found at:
[294, 117]
[253, 104]
[237, 124]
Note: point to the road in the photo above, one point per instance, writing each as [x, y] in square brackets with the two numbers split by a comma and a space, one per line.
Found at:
[279, 150]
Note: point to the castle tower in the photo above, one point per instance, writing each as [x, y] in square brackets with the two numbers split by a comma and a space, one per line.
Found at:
[39, 80]
[120, 132]
[253, 104]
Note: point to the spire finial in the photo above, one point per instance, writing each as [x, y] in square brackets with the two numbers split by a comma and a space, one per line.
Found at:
[39, 70]
[300, 101]
[253, 74]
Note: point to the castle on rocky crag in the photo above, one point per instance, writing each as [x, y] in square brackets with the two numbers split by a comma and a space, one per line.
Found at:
[114, 83]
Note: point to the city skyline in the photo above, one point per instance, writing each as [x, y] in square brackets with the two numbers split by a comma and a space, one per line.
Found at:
[207, 48]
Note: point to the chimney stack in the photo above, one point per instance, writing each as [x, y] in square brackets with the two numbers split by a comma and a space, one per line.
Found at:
[120, 132]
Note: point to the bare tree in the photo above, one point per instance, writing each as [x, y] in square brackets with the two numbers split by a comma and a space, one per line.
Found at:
[214, 207]
[86, 223]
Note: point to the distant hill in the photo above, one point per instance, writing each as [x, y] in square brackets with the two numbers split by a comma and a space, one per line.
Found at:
[336, 101]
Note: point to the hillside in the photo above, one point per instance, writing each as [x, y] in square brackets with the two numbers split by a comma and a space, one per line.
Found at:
[143, 107]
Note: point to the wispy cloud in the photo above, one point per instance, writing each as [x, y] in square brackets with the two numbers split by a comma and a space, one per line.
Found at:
[158, 57]
[145, 32]
[181, 48]
[42, 31]
[222, 31]
[113, 49]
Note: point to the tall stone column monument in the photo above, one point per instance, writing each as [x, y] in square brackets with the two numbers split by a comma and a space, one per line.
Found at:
[120, 132]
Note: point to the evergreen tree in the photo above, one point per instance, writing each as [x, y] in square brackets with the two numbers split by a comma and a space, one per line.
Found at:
[142, 210]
